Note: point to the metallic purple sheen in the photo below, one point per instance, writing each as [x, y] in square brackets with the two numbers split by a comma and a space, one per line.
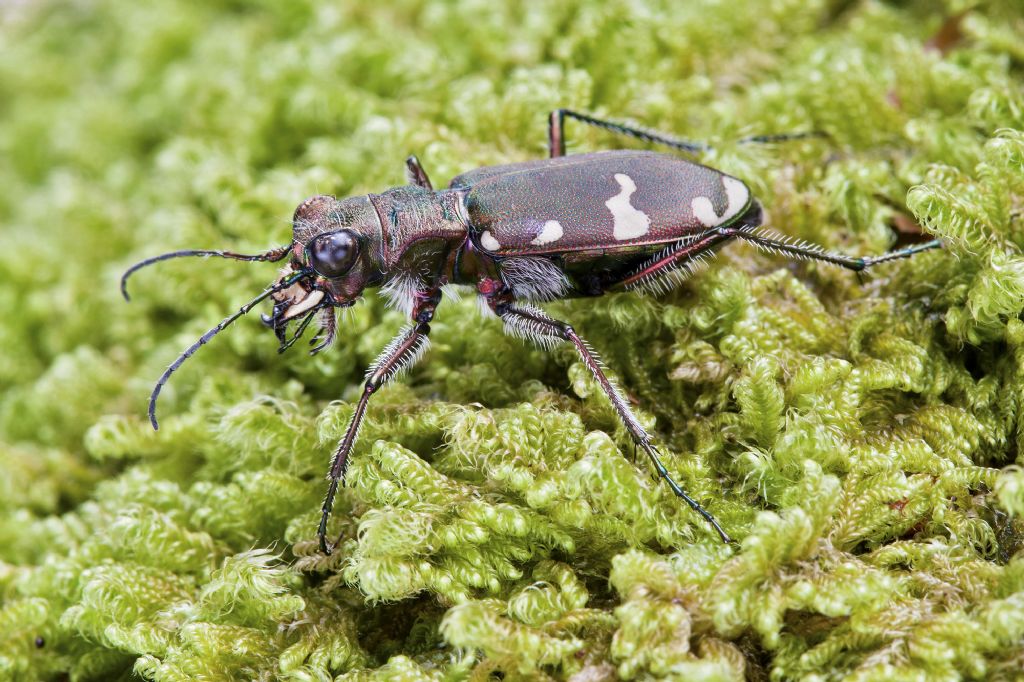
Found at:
[514, 201]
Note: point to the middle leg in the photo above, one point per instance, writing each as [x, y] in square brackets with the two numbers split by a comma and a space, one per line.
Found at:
[532, 323]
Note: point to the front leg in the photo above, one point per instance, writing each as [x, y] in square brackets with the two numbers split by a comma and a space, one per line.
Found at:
[532, 323]
[399, 355]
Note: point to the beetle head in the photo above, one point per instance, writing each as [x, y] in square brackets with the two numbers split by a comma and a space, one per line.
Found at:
[334, 256]
[337, 242]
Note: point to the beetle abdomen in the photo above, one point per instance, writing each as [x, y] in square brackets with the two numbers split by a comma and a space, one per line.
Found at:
[602, 201]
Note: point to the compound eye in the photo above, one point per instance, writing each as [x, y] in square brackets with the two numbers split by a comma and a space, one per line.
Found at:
[333, 254]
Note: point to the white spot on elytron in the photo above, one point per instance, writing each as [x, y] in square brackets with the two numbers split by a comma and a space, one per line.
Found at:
[488, 241]
[737, 195]
[705, 212]
[630, 223]
[551, 232]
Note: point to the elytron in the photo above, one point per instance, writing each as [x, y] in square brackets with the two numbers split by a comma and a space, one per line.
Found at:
[521, 234]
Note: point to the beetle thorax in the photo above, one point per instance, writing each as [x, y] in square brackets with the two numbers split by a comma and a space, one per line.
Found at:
[414, 217]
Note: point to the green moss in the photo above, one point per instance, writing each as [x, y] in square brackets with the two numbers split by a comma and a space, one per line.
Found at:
[860, 437]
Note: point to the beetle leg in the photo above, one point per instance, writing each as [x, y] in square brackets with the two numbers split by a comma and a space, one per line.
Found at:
[414, 173]
[784, 137]
[556, 133]
[675, 256]
[399, 355]
[771, 241]
[532, 323]
[684, 253]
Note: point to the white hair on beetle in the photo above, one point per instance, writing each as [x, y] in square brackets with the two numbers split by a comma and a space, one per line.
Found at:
[400, 291]
[405, 360]
[484, 307]
[305, 230]
[452, 292]
[672, 274]
[786, 240]
[522, 325]
[534, 279]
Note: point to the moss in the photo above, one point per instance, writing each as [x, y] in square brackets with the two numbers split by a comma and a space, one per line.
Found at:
[861, 437]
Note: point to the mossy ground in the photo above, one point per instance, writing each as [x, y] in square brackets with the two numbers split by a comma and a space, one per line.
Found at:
[859, 436]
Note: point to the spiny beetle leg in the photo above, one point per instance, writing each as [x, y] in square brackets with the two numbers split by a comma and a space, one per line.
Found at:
[683, 252]
[556, 133]
[776, 243]
[399, 355]
[532, 323]
[904, 252]
[415, 175]
[672, 258]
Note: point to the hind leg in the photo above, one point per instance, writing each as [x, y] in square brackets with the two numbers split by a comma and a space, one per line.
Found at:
[685, 252]
[556, 134]
[678, 256]
[768, 240]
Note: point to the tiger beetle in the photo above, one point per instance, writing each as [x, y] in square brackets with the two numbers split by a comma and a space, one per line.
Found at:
[521, 233]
